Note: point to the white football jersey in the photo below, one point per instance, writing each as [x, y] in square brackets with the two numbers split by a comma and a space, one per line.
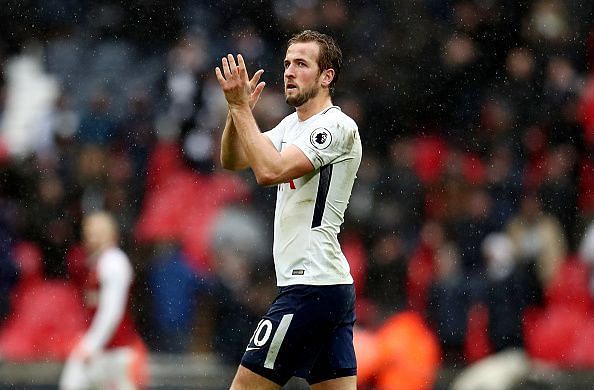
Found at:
[310, 209]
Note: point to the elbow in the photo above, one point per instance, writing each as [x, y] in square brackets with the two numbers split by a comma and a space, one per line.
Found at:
[266, 179]
[230, 164]
[226, 165]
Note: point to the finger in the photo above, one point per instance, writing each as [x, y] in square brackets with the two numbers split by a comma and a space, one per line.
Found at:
[259, 88]
[219, 75]
[256, 94]
[256, 78]
[232, 64]
[226, 70]
[242, 69]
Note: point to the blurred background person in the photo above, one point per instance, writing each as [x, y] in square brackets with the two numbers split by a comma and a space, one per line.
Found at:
[538, 238]
[111, 353]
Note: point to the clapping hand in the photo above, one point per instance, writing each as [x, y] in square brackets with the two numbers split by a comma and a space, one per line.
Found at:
[238, 88]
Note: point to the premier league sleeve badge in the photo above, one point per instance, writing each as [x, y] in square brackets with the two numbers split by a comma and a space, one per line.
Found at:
[320, 138]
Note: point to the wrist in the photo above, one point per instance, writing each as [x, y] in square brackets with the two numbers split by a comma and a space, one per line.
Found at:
[239, 107]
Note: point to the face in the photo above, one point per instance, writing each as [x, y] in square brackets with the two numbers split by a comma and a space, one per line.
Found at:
[90, 238]
[303, 78]
[97, 233]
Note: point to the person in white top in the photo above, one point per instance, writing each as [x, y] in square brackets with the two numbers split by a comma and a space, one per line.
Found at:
[312, 156]
[110, 354]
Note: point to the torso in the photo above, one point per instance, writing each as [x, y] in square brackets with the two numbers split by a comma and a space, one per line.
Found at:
[310, 209]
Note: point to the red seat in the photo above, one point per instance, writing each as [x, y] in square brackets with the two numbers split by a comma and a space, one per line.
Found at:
[164, 161]
[46, 316]
[420, 274]
[553, 334]
[45, 321]
[477, 344]
[473, 168]
[430, 158]
[178, 210]
[582, 353]
[77, 268]
[563, 333]
[570, 286]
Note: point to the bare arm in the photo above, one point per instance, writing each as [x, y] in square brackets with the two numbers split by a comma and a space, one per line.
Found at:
[232, 154]
[269, 165]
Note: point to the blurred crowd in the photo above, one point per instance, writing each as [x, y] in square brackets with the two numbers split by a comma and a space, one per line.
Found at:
[472, 203]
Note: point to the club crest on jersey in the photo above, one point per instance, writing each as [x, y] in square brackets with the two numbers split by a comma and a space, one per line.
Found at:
[320, 138]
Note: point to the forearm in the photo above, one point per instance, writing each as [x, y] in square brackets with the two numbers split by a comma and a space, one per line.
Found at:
[232, 155]
[260, 154]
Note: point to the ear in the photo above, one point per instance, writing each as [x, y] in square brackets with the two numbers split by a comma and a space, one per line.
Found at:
[327, 77]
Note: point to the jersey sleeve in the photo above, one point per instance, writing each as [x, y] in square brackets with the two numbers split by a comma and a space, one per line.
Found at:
[276, 135]
[326, 142]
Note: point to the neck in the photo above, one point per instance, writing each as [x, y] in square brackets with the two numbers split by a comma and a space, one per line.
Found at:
[313, 106]
[94, 253]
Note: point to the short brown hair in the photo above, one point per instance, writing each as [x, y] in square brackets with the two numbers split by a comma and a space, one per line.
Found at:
[330, 54]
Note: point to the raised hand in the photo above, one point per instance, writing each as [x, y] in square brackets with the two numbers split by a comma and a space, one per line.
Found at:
[238, 88]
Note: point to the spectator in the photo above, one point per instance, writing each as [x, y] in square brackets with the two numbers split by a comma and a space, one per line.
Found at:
[386, 280]
[8, 269]
[399, 193]
[8, 275]
[538, 238]
[558, 191]
[474, 225]
[49, 223]
[511, 288]
[449, 299]
[175, 293]
[238, 299]
[519, 84]
[97, 126]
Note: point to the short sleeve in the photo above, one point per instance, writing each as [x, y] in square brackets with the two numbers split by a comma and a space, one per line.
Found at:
[115, 268]
[276, 135]
[325, 143]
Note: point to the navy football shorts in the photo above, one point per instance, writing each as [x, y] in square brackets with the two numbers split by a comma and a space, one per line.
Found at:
[307, 332]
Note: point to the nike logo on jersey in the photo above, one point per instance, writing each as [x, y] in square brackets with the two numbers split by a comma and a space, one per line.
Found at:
[251, 349]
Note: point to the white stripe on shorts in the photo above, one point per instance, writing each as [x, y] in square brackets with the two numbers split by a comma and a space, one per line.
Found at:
[277, 340]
